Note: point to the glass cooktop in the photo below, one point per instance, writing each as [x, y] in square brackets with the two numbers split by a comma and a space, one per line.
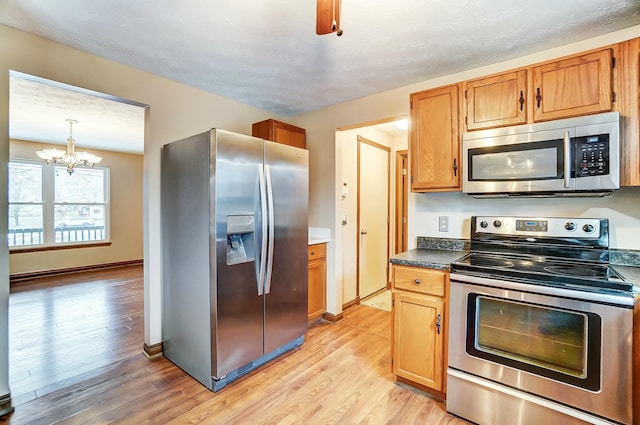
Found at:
[541, 270]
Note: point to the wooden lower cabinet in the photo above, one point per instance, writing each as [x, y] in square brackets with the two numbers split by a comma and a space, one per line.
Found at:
[317, 295]
[419, 334]
[417, 347]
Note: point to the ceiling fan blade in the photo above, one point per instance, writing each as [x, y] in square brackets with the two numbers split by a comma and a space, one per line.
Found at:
[327, 16]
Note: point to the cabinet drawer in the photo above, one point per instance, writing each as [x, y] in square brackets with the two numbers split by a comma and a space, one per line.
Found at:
[317, 251]
[417, 279]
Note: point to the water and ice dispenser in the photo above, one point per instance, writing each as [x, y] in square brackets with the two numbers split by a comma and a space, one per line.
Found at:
[240, 239]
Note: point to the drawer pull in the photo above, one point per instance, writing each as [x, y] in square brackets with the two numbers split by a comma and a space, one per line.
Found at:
[417, 281]
[313, 253]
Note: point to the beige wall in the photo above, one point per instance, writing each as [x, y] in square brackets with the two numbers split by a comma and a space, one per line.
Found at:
[125, 216]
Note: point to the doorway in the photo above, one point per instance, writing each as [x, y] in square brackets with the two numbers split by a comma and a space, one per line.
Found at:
[114, 128]
[386, 137]
[373, 217]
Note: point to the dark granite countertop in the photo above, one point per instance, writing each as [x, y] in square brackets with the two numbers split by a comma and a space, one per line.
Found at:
[433, 253]
[441, 259]
[438, 259]
[439, 253]
[630, 274]
[627, 263]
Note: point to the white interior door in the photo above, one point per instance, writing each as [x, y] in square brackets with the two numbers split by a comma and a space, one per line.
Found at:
[373, 217]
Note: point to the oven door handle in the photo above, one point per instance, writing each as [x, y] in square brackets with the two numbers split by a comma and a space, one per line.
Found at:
[566, 142]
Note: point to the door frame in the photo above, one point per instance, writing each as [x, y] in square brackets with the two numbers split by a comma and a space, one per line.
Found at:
[388, 151]
[401, 201]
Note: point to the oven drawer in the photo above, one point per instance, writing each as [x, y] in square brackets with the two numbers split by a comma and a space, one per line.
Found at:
[418, 279]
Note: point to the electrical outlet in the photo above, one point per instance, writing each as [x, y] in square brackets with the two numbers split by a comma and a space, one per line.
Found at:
[443, 223]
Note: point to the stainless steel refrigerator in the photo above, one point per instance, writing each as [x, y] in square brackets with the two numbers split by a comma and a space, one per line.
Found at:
[234, 249]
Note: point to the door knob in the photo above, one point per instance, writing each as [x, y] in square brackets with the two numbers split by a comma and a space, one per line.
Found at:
[363, 232]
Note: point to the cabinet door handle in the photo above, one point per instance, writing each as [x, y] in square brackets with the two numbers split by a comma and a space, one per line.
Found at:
[538, 97]
[438, 324]
[521, 100]
[417, 281]
[455, 167]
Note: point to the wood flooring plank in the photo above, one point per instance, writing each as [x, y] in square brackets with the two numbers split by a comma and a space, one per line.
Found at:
[75, 353]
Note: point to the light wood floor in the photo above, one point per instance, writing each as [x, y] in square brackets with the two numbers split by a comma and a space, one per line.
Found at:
[75, 358]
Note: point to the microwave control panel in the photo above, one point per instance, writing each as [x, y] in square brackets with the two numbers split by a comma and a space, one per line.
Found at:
[592, 155]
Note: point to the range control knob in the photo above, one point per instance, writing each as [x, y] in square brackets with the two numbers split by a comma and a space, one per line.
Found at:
[570, 226]
[484, 224]
[497, 223]
[588, 228]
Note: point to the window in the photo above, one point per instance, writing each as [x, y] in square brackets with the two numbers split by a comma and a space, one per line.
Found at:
[47, 206]
[26, 204]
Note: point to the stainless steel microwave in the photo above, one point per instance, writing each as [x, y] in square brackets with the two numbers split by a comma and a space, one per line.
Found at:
[570, 157]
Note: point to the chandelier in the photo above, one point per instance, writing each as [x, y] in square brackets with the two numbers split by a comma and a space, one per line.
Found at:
[70, 157]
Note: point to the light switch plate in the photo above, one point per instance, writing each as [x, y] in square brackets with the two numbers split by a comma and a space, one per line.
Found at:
[443, 223]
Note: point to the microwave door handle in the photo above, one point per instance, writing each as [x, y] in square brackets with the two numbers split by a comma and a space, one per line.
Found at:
[567, 159]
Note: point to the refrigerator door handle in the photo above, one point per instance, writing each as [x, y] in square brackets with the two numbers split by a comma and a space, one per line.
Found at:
[263, 215]
[271, 221]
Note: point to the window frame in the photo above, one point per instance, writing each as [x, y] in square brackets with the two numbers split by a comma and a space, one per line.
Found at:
[48, 204]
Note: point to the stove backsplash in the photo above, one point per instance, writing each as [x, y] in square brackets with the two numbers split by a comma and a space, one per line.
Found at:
[624, 257]
[445, 244]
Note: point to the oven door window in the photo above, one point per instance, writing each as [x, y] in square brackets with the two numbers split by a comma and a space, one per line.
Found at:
[563, 345]
[522, 161]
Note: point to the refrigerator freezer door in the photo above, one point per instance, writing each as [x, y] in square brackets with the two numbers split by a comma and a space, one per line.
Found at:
[237, 308]
[286, 294]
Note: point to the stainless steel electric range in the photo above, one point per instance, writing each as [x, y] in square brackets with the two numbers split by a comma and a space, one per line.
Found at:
[541, 326]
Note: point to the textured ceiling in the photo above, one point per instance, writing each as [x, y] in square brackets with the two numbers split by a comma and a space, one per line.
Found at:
[266, 53]
[38, 110]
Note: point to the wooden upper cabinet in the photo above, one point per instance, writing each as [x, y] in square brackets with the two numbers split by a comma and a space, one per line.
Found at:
[496, 101]
[581, 84]
[281, 132]
[434, 140]
[578, 85]
[628, 89]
